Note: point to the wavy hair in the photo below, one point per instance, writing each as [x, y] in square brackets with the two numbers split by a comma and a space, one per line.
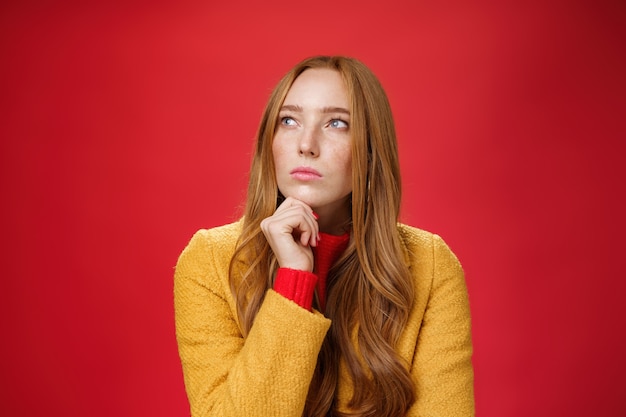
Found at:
[370, 292]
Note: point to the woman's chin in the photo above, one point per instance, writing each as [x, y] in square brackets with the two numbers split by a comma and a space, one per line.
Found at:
[307, 199]
[322, 203]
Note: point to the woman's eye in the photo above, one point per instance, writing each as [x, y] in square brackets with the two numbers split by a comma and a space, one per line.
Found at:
[287, 121]
[338, 124]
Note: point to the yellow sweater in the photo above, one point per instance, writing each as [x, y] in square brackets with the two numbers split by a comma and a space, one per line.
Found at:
[268, 373]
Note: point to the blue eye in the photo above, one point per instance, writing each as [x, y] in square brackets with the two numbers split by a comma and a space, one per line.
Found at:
[338, 124]
[287, 121]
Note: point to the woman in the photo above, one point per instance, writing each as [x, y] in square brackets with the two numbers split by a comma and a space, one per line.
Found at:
[318, 302]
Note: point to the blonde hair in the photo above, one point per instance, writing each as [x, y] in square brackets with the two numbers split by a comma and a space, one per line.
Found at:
[369, 288]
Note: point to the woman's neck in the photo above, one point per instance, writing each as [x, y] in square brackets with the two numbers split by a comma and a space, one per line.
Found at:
[334, 220]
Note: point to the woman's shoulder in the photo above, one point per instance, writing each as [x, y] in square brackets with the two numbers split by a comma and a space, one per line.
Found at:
[421, 245]
[411, 235]
[223, 235]
[416, 241]
[215, 242]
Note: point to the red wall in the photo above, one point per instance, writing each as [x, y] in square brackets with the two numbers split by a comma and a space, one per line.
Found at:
[126, 127]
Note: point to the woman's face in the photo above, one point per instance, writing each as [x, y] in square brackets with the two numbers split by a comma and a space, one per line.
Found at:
[312, 144]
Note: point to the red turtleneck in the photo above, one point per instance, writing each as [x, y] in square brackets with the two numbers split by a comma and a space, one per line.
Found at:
[299, 286]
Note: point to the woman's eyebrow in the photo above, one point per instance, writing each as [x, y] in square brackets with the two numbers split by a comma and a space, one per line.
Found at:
[291, 107]
[298, 109]
[336, 110]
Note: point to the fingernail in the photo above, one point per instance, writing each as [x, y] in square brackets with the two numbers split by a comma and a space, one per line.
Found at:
[315, 215]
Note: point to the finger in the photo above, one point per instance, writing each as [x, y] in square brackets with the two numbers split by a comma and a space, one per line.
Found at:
[291, 222]
[311, 218]
[291, 202]
[306, 238]
[291, 206]
[304, 225]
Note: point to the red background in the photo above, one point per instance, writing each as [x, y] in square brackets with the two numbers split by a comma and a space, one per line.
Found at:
[127, 126]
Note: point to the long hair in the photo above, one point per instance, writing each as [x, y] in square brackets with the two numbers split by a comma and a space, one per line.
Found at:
[370, 292]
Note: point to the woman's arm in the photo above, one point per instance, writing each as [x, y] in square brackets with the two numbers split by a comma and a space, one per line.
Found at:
[442, 366]
[265, 374]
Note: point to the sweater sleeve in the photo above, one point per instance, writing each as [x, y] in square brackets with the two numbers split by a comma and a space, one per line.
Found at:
[265, 374]
[442, 367]
[296, 285]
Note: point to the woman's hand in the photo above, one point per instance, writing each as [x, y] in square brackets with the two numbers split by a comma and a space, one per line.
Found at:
[291, 232]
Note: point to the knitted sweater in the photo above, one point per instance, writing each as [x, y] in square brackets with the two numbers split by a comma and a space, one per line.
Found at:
[299, 286]
[268, 372]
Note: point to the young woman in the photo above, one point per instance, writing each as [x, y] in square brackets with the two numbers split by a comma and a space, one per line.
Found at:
[318, 302]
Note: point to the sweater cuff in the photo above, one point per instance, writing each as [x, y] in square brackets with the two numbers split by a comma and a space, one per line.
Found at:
[297, 286]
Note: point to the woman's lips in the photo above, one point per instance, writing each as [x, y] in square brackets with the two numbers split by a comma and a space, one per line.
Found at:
[305, 174]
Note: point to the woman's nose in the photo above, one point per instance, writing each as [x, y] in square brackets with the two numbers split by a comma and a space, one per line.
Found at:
[309, 143]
